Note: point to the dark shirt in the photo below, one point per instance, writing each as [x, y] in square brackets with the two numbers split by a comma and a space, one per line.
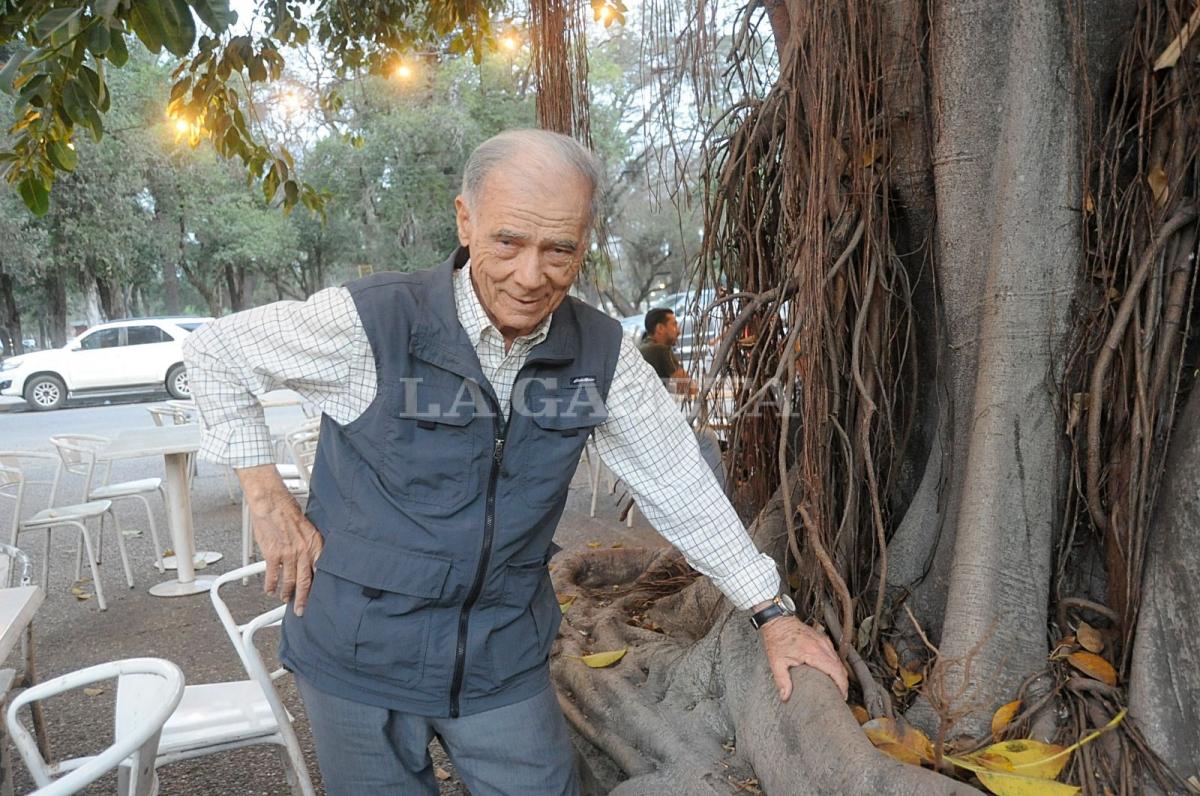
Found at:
[661, 358]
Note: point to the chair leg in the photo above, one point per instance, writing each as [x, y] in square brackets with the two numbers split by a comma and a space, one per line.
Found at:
[296, 783]
[100, 542]
[46, 565]
[158, 562]
[78, 557]
[121, 547]
[28, 679]
[91, 556]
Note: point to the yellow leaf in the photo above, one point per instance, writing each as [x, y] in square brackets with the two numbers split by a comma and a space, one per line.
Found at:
[868, 156]
[618, 545]
[901, 753]
[1027, 757]
[1157, 178]
[889, 655]
[910, 678]
[1004, 716]
[884, 731]
[1170, 56]
[1094, 666]
[1016, 785]
[601, 660]
[860, 714]
[1089, 204]
[1090, 638]
[565, 605]
[593, 545]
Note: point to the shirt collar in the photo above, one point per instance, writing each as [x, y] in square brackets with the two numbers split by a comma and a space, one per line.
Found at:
[475, 320]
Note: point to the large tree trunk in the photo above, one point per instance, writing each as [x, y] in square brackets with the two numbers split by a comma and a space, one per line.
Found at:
[10, 314]
[1165, 672]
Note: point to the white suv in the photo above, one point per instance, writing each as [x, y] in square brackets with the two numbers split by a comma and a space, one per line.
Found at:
[129, 356]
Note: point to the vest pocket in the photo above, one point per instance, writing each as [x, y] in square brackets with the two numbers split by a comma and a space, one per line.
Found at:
[527, 623]
[562, 421]
[430, 456]
[393, 593]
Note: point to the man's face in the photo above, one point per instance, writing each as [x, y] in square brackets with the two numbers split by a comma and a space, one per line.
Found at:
[527, 233]
[668, 330]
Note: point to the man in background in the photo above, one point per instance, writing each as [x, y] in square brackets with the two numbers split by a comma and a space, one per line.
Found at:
[662, 333]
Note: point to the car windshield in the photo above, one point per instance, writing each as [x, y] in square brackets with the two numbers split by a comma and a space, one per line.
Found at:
[189, 326]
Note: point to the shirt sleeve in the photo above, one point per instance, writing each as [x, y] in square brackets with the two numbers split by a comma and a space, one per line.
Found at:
[317, 347]
[685, 504]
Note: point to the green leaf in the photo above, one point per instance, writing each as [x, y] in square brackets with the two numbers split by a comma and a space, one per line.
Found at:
[75, 102]
[118, 53]
[215, 13]
[147, 25]
[291, 195]
[179, 27]
[94, 122]
[35, 195]
[99, 39]
[55, 20]
[61, 155]
[11, 68]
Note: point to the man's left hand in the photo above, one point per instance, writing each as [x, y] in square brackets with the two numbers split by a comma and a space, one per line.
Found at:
[789, 642]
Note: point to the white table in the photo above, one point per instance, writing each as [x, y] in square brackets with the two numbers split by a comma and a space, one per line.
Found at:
[175, 444]
[17, 607]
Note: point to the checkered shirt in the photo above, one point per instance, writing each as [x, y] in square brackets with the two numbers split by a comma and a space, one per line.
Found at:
[319, 348]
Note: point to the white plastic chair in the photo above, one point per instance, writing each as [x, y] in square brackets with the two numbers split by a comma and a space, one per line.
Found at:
[302, 444]
[12, 479]
[136, 744]
[217, 717]
[78, 454]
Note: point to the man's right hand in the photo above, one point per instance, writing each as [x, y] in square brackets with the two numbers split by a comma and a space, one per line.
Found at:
[289, 542]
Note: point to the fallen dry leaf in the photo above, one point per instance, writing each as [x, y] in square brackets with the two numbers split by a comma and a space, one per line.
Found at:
[910, 678]
[1026, 757]
[565, 605]
[1157, 179]
[897, 731]
[890, 655]
[1090, 638]
[93, 691]
[860, 714]
[1016, 785]
[593, 545]
[601, 660]
[1004, 716]
[900, 752]
[441, 774]
[1093, 666]
[1170, 56]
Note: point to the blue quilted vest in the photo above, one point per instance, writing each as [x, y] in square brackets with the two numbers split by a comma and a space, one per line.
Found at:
[432, 594]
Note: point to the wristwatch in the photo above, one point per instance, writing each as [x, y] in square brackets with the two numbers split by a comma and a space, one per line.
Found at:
[782, 605]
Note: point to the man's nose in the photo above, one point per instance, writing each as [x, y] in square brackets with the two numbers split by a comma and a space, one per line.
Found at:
[529, 274]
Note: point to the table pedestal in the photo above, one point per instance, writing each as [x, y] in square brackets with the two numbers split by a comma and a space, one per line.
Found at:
[179, 518]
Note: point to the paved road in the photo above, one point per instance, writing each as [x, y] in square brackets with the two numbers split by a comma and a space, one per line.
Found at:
[71, 633]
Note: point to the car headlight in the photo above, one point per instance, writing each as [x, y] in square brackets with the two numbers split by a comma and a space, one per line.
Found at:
[11, 364]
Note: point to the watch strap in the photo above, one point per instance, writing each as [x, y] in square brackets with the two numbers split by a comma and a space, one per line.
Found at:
[766, 615]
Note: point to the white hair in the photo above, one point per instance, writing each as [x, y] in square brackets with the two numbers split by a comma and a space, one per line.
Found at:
[511, 144]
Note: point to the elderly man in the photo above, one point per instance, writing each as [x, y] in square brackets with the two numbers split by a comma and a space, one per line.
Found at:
[456, 405]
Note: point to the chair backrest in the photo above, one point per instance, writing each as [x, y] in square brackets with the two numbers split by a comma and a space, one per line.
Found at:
[78, 454]
[242, 638]
[303, 445]
[170, 415]
[139, 744]
[14, 558]
[13, 480]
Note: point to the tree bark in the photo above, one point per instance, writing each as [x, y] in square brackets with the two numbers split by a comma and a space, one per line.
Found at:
[10, 314]
[1165, 670]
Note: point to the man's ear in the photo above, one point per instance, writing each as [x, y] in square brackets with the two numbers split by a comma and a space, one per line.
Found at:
[462, 216]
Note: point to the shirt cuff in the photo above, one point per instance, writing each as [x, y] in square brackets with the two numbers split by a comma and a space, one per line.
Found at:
[238, 446]
[757, 582]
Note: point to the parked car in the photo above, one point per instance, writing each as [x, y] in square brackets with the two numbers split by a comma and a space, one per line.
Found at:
[136, 355]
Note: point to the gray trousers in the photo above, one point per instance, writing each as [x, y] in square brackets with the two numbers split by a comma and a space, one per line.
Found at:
[518, 749]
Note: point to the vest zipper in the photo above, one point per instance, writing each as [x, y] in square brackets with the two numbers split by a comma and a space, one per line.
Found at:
[485, 553]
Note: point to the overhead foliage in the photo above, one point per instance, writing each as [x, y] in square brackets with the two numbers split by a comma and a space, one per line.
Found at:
[59, 55]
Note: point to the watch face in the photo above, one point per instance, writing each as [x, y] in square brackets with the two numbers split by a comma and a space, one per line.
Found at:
[787, 603]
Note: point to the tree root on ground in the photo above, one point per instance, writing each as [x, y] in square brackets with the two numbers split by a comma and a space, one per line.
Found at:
[701, 716]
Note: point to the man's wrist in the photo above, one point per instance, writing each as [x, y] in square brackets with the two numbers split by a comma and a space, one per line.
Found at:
[764, 613]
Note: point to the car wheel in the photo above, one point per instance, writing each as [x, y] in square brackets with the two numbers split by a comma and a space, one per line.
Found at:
[177, 383]
[45, 392]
